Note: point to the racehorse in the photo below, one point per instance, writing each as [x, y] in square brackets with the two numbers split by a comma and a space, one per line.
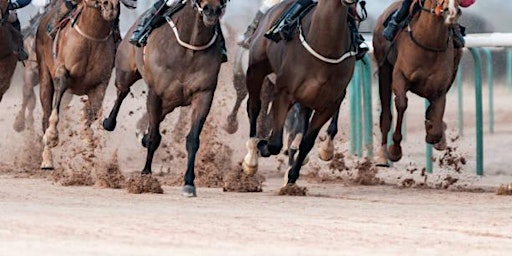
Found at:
[9, 39]
[422, 60]
[79, 60]
[313, 69]
[180, 64]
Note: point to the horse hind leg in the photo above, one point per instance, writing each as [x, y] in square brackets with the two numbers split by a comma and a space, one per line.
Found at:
[200, 108]
[385, 93]
[124, 80]
[327, 147]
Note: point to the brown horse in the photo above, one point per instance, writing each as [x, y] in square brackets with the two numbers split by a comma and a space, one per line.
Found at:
[80, 62]
[313, 69]
[180, 65]
[9, 39]
[422, 60]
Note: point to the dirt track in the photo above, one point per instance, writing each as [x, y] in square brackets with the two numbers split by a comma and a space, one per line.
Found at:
[40, 218]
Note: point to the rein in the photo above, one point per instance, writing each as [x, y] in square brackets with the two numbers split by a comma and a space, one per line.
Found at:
[189, 46]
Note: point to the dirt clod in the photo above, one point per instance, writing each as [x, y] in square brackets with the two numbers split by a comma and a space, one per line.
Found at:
[238, 181]
[110, 175]
[367, 174]
[138, 184]
[338, 163]
[293, 190]
[505, 190]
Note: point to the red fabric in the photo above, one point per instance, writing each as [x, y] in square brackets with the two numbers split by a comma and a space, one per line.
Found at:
[466, 3]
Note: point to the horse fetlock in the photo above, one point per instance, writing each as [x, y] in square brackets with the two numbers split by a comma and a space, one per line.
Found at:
[47, 163]
[189, 191]
[395, 152]
[250, 163]
[381, 158]
[19, 122]
[327, 150]
[51, 137]
[231, 125]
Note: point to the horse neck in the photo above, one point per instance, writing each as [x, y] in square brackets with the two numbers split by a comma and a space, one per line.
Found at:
[328, 28]
[191, 27]
[92, 23]
[430, 30]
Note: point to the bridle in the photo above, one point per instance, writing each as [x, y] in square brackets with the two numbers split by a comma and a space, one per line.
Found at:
[197, 6]
[438, 11]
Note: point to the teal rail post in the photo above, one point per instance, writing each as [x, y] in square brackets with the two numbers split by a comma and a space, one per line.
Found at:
[429, 165]
[367, 100]
[509, 68]
[479, 114]
[460, 96]
[490, 82]
[355, 114]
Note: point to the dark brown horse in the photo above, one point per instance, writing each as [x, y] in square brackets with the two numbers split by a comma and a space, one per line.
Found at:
[9, 39]
[180, 65]
[313, 69]
[80, 62]
[422, 60]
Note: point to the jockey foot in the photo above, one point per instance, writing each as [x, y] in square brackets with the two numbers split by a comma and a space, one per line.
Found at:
[390, 31]
[141, 33]
[224, 55]
[458, 36]
[283, 28]
[245, 42]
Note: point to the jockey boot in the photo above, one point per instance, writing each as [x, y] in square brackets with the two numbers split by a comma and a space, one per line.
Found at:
[21, 53]
[141, 33]
[283, 27]
[62, 11]
[250, 30]
[390, 30]
[223, 51]
[459, 32]
[357, 39]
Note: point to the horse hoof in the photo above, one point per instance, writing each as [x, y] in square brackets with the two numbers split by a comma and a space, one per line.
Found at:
[326, 155]
[230, 127]
[249, 169]
[189, 191]
[382, 164]
[19, 123]
[395, 153]
[47, 165]
[109, 125]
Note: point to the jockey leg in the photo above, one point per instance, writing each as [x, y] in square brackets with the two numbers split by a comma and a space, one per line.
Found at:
[390, 30]
[140, 34]
[250, 30]
[459, 32]
[21, 53]
[62, 11]
[283, 27]
[357, 39]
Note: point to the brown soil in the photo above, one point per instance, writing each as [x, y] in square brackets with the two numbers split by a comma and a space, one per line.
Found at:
[110, 175]
[505, 190]
[367, 173]
[238, 181]
[452, 159]
[293, 190]
[138, 184]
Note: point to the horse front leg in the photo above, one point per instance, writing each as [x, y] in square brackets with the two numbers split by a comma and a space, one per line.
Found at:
[153, 138]
[279, 111]
[231, 125]
[434, 125]
[28, 102]
[385, 93]
[51, 135]
[308, 141]
[124, 81]
[400, 90]
[201, 105]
